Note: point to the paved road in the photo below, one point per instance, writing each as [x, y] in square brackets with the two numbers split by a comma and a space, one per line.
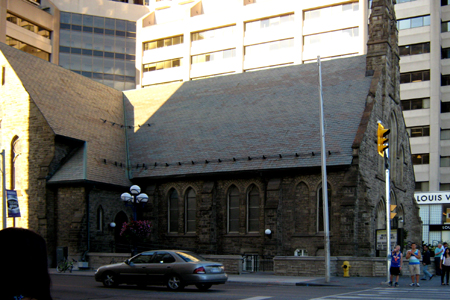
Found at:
[417, 293]
[84, 288]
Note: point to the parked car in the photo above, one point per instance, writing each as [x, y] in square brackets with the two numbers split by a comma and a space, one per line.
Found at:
[174, 268]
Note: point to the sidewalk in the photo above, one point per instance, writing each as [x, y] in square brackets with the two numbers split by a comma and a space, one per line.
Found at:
[267, 278]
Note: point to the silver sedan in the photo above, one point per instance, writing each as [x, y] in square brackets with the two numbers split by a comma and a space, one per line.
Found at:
[174, 268]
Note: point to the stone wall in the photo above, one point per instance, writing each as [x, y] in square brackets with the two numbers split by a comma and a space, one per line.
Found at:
[315, 266]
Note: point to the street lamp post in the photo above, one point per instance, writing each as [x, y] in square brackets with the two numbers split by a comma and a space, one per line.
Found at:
[134, 199]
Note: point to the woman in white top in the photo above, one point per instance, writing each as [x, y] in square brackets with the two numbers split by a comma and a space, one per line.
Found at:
[445, 266]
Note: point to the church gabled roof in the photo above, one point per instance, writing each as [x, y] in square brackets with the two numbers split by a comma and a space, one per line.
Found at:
[76, 107]
[261, 120]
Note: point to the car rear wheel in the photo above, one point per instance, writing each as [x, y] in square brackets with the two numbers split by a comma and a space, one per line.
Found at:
[203, 286]
[174, 283]
[110, 279]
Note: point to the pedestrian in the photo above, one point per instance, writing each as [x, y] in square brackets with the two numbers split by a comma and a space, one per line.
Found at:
[445, 246]
[438, 251]
[24, 265]
[445, 266]
[396, 265]
[414, 264]
[425, 262]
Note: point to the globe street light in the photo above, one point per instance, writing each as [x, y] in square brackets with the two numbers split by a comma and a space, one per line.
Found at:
[134, 199]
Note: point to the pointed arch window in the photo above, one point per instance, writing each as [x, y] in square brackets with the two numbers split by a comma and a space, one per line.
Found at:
[100, 218]
[14, 154]
[173, 211]
[253, 202]
[320, 211]
[233, 209]
[190, 211]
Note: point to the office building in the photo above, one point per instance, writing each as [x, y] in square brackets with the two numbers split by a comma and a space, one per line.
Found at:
[31, 26]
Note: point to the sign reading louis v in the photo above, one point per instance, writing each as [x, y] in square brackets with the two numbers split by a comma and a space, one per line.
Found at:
[13, 204]
[432, 198]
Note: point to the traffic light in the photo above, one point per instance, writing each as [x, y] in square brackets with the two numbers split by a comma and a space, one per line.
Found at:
[393, 214]
[382, 140]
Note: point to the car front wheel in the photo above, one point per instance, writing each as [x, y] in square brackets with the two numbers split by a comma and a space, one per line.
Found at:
[203, 286]
[110, 279]
[174, 283]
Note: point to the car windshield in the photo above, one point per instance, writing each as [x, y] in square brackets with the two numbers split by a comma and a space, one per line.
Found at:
[190, 256]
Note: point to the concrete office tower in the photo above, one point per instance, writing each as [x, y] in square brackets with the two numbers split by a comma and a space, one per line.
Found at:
[98, 40]
[184, 40]
[31, 26]
[424, 41]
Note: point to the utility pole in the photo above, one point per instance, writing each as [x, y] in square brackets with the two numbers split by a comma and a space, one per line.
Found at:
[324, 181]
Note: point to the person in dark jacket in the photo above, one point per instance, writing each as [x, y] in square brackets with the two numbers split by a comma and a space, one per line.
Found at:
[425, 262]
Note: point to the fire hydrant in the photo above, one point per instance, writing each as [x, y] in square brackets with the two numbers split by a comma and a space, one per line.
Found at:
[346, 268]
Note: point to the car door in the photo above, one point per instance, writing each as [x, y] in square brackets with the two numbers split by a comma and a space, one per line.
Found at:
[136, 271]
[161, 265]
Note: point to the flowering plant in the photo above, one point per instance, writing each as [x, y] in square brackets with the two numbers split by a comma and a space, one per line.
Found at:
[136, 230]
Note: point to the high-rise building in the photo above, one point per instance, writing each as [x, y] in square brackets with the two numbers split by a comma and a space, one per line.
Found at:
[98, 40]
[424, 44]
[184, 40]
[31, 26]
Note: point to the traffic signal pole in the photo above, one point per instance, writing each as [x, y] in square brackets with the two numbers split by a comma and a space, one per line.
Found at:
[383, 150]
[388, 214]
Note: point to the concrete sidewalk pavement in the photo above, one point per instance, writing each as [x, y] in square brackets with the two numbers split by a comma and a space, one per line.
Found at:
[268, 278]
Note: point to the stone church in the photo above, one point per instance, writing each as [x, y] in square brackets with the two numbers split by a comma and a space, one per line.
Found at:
[222, 159]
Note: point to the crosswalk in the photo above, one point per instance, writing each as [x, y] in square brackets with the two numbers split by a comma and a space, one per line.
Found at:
[385, 293]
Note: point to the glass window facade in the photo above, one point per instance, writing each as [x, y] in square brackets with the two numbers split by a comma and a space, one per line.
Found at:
[332, 11]
[412, 104]
[414, 49]
[337, 36]
[413, 22]
[167, 64]
[27, 48]
[102, 49]
[213, 33]
[213, 56]
[269, 22]
[172, 41]
[28, 25]
[266, 48]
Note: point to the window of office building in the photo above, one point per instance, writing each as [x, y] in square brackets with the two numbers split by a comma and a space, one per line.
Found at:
[445, 80]
[416, 76]
[418, 131]
[445, 134]
[213, 56]
[266, 48]
[330, 37]
[445, 107]
[423, 186]
[99, 48]
[445, 2]
[421, 159]
[167, 42]
[331, 11]
[167, 64]
[413, 22]
[30, 26]
[445, 26]
[414, 49]
[269, 22]
[444, 186]
[27, 48]
[412, 104]
[445, 53]
[445, 161]
[213, 33]
[403, 1]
